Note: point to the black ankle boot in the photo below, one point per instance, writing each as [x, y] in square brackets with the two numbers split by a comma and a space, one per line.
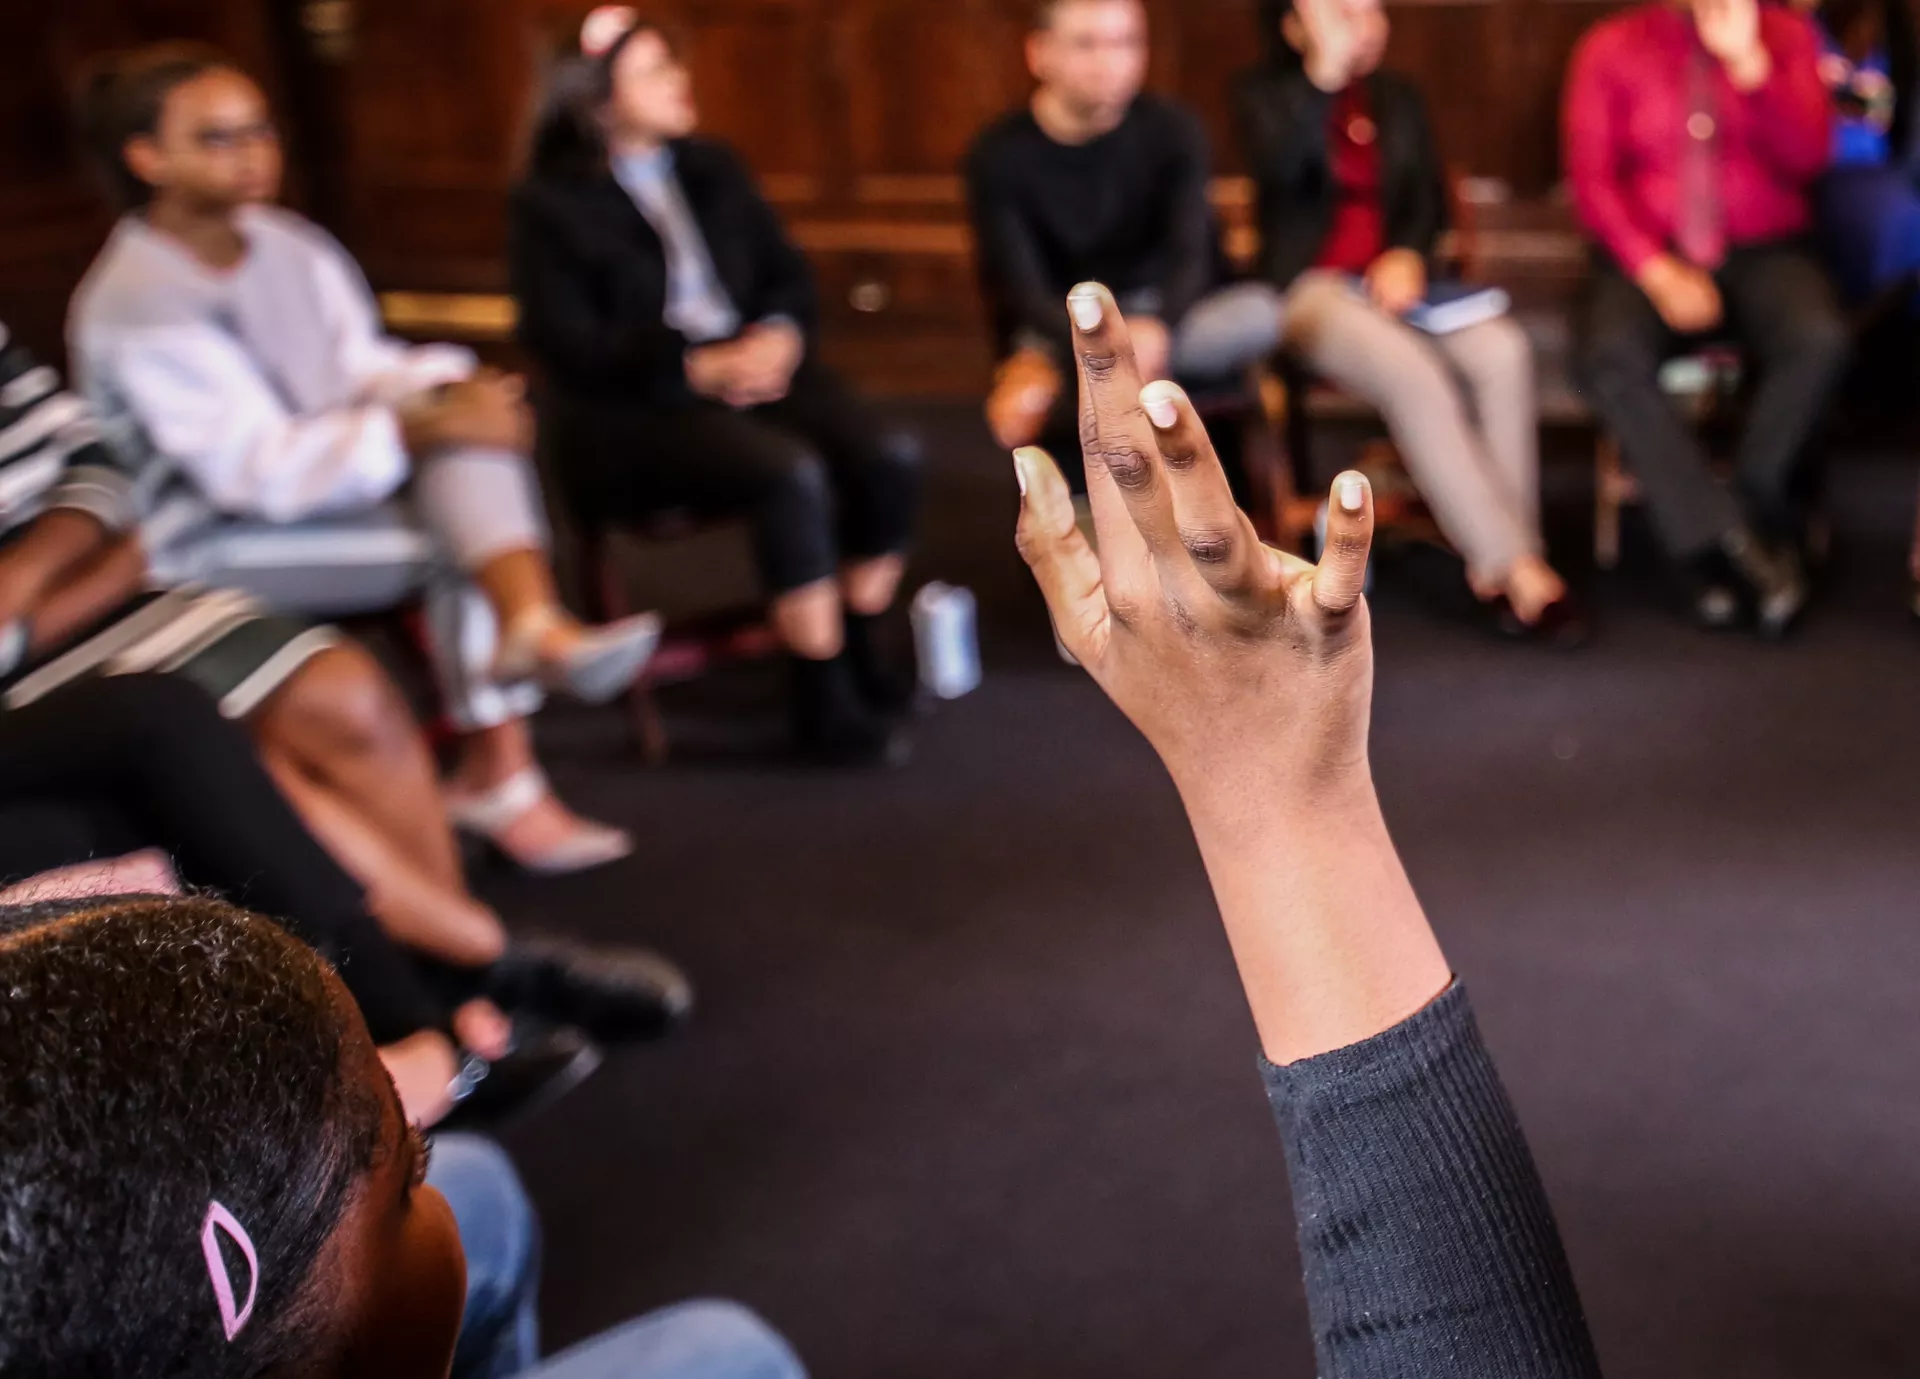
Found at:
[887, 687]
[832, 723]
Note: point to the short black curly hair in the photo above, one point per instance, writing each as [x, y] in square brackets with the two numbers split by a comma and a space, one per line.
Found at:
[120, 97]
[157, 1055]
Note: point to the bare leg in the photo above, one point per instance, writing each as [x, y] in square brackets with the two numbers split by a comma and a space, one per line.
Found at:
[414, 909]
[342, 725]
[809, 622]
[871, 586]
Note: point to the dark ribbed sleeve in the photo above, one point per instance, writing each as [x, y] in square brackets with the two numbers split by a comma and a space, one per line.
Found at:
[1428, 1244]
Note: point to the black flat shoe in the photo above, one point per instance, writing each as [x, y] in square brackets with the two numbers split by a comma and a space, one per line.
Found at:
[612, 992]
[1775, 580]
[832, 723]
[535, 1073]
[1562, 624]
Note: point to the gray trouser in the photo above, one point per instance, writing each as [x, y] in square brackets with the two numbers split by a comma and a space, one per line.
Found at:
[1460, 407]
[463, 509]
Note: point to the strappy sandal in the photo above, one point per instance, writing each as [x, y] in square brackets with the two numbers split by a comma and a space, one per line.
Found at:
[491, 815]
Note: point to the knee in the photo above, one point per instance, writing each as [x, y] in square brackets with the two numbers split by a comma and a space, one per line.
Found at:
[1604, 359]
[499, 1229]
[795, 483]
[727, 1338]
[1820, 344]
[1505, 356]
[344, 700]
[899, 460]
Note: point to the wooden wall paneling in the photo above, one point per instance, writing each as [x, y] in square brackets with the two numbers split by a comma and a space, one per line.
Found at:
[1200, 48]
[52, 217]
[1458, 52]
[1552, 30]
[430, 101]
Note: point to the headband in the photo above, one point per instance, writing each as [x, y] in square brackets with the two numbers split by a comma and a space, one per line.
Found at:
[219, 1219]
[605, 27]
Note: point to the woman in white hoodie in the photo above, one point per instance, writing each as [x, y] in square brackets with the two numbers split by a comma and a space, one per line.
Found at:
[322, 466]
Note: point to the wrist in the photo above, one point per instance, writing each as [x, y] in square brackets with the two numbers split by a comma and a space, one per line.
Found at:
[1749, 70]
[1328, 77]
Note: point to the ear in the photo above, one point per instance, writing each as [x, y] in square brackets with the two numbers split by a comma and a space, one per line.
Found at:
[143, 158]
[1293, 30]
[1036, 55]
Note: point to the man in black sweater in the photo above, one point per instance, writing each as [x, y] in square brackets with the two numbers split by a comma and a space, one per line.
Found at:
[1095, 180]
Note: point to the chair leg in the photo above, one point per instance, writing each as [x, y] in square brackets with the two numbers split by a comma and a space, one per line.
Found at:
[1608, 485]
[649, 728]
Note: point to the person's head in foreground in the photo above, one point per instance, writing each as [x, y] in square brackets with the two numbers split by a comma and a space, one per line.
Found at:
[203, 1167]
[179, 122]
[621, 86]
[1090, 55]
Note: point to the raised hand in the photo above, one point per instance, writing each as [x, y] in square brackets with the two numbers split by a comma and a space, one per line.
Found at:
[1730, 30]
[1251, 673]
[1332, 42]
[1234, 659]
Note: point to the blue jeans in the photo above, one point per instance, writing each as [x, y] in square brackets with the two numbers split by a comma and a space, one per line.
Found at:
[500, 1333]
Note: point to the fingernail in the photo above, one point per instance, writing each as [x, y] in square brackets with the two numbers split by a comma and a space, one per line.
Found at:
[1161, 401]
[1353, 492]
[1021, 459]
[1084, 303]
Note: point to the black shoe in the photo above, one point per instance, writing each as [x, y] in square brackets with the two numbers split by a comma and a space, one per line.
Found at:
[1775, 581]
[1713, 593]
[832, 723]
[1562, 624]
[888, 688]
[611, 992]
[536, 1072]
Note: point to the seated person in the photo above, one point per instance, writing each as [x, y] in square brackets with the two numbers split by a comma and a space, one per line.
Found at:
[674, 321]
[1694, 134]
[185, 1197]
[115, 766]
[1869, 202]
[77, 600]
[332, 470]
[1095, 178]
[1352, 202]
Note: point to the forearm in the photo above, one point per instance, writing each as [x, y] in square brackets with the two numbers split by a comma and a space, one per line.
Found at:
[1426, 1239]
[87, 595]
[56, 543]
[1331, 941]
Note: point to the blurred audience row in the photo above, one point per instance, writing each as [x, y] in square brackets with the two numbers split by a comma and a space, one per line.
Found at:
[247, 455]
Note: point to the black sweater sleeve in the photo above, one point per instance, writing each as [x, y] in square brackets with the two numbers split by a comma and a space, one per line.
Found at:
[785, 285]
[1426, 1237]
[1012, 272]
[582, 337]
[1193, 250]
[1416, 209]
[1282, 119]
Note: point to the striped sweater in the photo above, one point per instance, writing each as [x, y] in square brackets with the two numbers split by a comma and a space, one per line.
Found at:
[51, 451]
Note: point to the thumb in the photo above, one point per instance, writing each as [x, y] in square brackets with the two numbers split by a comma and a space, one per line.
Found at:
[1063, 564]
[1341, 577]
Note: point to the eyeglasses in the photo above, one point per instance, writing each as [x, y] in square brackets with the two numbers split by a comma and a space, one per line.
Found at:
[227, 138]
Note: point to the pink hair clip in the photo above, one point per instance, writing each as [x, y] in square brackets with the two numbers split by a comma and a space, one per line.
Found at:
[220, 1219]
[605, 27]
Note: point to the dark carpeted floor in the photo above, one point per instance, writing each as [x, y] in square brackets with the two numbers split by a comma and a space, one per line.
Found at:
[971, 1091]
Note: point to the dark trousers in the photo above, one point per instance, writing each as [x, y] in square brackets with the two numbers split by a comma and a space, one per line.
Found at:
[1782, 312]
[815, 473]
[111, 766]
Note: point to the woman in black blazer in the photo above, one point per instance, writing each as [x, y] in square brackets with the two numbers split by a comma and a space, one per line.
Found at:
[674, 324]
[1352, 201]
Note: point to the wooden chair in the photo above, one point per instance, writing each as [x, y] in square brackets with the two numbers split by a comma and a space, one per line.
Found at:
[690, 648]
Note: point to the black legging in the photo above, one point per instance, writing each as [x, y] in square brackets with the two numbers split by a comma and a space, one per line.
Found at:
[817, 475]
[111, 766]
